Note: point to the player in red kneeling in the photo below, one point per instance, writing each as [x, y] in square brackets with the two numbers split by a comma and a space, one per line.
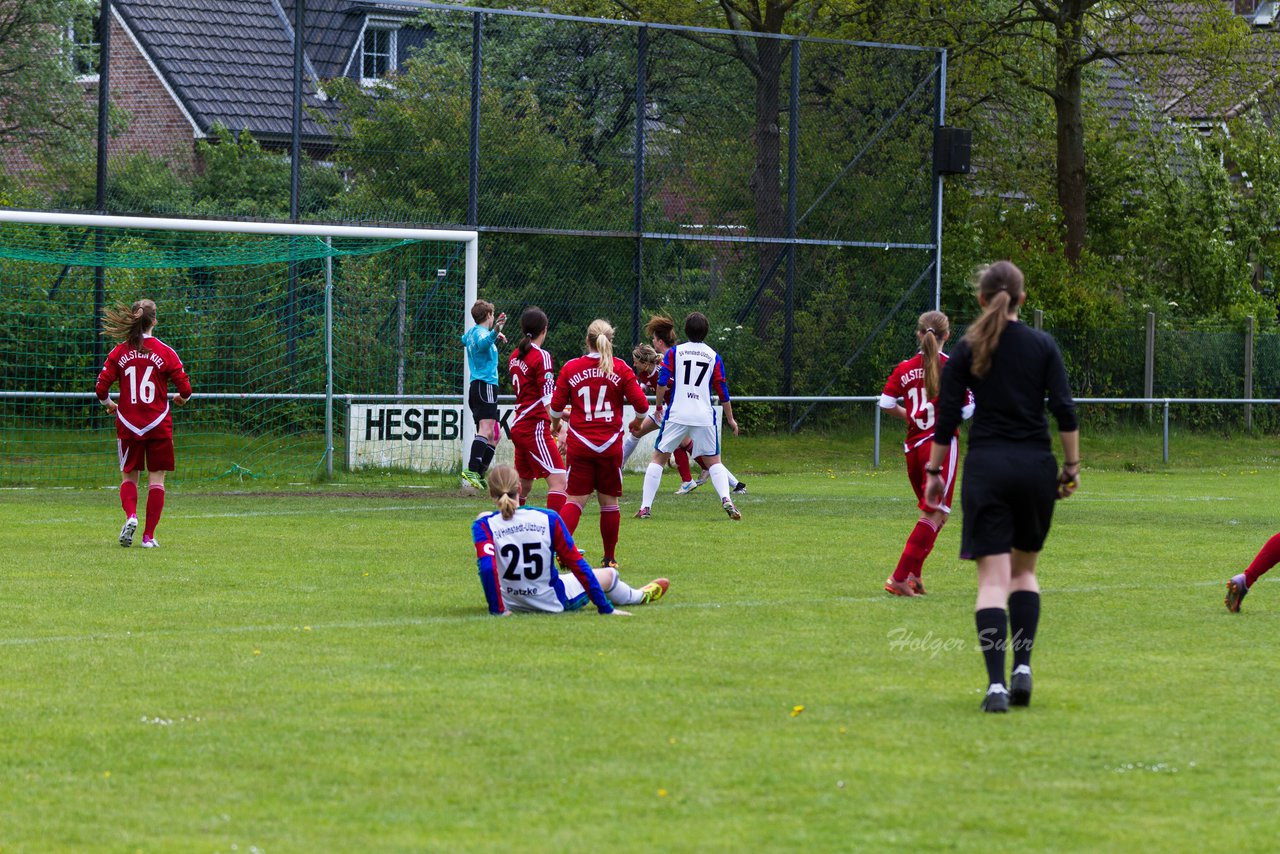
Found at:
[533, 378]
[598, 386]
[1239, 585]
[145, 366]
[916, 381]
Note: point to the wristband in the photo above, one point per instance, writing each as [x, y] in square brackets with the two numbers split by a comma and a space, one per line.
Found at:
[937, 471]
[1064, 463]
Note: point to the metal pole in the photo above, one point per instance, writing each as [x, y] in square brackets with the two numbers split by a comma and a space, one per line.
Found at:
[100, 194]
[1248, 371]
[940, 119]
[875, 453]
[295, 173]
[402, 298]
[793, 145]
[1149, 365]
[637, 212]
[328, 359]
[1166, 431]
[1038, 319]
[470, 292]
[473, 164]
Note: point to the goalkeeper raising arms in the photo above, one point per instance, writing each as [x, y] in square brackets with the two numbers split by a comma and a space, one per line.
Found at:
[145, 366]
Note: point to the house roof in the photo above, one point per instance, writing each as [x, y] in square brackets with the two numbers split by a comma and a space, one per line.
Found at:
[230, 62]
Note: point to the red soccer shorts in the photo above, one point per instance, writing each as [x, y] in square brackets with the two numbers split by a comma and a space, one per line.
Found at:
[595, 472]
[536, 453]
[143, 454]
[917, 458]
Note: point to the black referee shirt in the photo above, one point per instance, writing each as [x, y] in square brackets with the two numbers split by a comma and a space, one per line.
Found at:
[1010, 399]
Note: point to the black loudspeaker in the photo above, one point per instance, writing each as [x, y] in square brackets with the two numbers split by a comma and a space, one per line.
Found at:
[951, 147]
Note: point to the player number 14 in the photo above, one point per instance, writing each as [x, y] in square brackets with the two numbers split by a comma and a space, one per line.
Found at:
[603, 408]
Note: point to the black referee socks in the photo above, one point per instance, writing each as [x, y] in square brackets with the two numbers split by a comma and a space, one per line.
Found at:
[993, 634]
[1024, 616]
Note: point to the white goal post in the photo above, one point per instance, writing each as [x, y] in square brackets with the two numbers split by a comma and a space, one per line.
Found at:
[469, 239]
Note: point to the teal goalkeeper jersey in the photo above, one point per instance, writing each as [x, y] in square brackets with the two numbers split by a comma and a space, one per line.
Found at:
[482, 353]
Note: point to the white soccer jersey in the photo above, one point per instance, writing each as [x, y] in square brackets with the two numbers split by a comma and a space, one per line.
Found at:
[524, 560]
[692, 373]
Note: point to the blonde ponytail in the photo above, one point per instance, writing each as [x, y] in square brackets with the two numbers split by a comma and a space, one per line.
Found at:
[504, 488]
[932, 329]
[129, 323]
[600, 339]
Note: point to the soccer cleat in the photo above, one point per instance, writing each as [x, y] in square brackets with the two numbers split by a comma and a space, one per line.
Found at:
[654, 590]
[643, 513]
[687, 487]
[150, 543]
[126, 533]
[472, 479]
[610, 563]
[1020, 686]
[1236, 590]
[916, 584]
[898, 588]
[703, 477]
[997, 699]
[734, 513]
[739, 488]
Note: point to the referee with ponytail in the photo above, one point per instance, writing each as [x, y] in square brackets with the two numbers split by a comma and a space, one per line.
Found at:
[1011, 478]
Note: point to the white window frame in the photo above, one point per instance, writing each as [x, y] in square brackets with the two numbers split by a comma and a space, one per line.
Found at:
[392, 29]
[75, 45]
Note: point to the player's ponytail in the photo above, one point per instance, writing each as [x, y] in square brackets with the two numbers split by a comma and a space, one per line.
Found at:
[600, 339]
[131, 323]
[504, 489]
[533, 322]
[932, 329]
[1000, 288]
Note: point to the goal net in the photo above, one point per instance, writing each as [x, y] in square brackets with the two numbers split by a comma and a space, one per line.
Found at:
[312, 349]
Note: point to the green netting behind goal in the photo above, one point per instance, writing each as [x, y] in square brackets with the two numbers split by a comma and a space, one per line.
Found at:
[247, 315]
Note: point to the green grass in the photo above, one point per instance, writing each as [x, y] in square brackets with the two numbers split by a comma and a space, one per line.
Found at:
[310, 670]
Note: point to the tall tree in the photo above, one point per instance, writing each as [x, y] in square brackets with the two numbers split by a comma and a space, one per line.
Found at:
[40, 100]
[1177, 50]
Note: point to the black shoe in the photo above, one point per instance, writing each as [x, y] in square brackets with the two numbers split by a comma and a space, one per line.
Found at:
[1020, 688]
[997, 699]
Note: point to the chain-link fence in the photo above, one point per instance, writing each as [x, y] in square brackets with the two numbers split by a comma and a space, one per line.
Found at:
[784, 186]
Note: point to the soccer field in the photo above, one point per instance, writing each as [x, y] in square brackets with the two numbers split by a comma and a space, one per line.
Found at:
[313, 670]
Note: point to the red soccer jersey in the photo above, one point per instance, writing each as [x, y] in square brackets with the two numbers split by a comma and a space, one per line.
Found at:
[907, 382]
[144, 377]
[533, 379]
[597, 400]
[649, 382]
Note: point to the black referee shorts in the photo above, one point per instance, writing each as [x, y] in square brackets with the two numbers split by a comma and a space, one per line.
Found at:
[482, 397]
[1007, 497]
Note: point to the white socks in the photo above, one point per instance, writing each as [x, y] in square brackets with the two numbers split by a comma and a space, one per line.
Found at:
[720, 480]
[628, 447]
[652, 481]
[622, 593]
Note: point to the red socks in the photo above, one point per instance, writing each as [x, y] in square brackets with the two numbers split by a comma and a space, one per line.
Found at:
[1267, 558]
[129, 498]
[682, 463]
[555, 500]
[570, 513]
[155, 506]
[918, 546]
[610, 520]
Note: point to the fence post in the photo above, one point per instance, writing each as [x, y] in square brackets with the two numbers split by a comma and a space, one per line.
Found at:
[1038, 319]
[875, 453]
[793, 146]
[637, 212]
[473, 157]
[328, 359]
[1149, 368]
[402, 299]
[1166, 430]
[1248, 371]
[100, 195]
